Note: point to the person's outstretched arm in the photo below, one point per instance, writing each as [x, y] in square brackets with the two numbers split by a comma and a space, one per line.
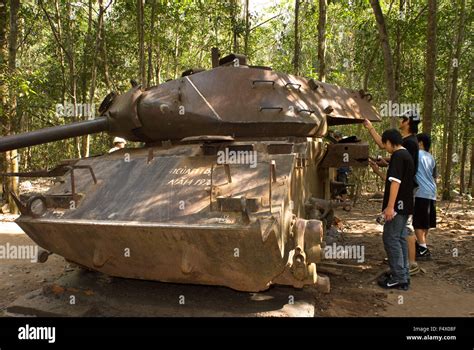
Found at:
[375, 135]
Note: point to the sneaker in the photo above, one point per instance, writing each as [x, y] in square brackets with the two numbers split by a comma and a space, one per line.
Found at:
[417, 246]
[423, 254]
[388, 275]
[384, 276]
[414, 269]
[390, 283]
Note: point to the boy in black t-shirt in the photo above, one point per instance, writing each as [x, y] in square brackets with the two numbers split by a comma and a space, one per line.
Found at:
[397, 206]
[408, 128]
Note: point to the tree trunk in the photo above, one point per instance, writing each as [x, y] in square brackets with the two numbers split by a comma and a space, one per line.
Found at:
[387, 56]
[247, 28]
[447, 100]
[60, 49]
[466, 122]
[398, 47]
[12, 156]
[465, 141]
[3, 62]
[141, 42]
[175, 54]
[322, 40]
[158, 71]
[452, 105]
[233, 19]
[86, 55]
[103, 48]
[296, 56]
[430, 68]
[72, 72]
[98, 40]
[158, 64]
[3, 82]
[84, 75]
[151, 42]
[471, 172]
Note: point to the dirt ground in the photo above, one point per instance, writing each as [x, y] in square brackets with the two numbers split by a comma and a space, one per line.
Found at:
[444, 288]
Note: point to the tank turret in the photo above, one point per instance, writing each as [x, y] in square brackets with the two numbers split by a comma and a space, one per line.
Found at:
[231, 100]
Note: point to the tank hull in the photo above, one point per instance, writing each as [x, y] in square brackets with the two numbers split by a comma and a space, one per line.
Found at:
[160, 252]
[174, 214]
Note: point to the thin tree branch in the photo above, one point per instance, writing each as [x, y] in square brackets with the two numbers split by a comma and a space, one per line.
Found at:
[53, 29]
[262, 23]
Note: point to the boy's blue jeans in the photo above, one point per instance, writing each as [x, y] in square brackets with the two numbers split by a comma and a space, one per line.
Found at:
[395, 244]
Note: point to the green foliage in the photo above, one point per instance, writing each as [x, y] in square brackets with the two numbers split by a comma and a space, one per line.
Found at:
[185, 31]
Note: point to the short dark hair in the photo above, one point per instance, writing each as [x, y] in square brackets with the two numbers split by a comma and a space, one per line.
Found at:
[413, 126]
[392, 135]
[426, 139]
[414, 120]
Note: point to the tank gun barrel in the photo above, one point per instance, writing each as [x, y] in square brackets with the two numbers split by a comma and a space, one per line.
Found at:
[55, 133]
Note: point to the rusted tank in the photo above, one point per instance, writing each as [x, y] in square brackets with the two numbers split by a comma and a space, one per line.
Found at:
[217, 193]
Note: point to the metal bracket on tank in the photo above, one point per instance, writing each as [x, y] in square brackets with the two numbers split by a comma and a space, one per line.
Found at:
[73, 182]
[246, 206]
[212, 186]
[262, 81]
[298, 86]
[303, 110]
[279, 109]
[301, 161]
[272, 178]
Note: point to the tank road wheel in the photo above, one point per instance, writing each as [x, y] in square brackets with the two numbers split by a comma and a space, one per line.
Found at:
[73, 265]
[36, 206]
[43, 255]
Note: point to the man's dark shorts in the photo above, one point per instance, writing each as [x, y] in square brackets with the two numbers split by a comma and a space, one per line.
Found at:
[424, 216]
